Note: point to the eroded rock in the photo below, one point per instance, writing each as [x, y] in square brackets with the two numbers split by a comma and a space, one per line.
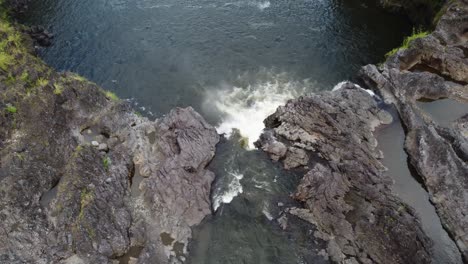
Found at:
[60, 138]
[434, 67]
[346, 193]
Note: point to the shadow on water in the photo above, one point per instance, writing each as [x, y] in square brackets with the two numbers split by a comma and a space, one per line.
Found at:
[408, 187]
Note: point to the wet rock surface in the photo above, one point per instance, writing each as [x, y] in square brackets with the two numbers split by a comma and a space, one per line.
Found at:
[69, 156]
[433, 68]
[40, 35]
[345, 191]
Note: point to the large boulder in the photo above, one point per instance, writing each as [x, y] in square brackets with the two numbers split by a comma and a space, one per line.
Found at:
[344, 190]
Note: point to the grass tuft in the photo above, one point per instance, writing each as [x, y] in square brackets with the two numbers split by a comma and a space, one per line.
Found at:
[86, 199]
[58, 89]
[11, 109]
[78, 78]
[15, 38]
[24, 76]
[407, 41]
[106, 162]
[111, 95]
[6, 60]
[41, 82]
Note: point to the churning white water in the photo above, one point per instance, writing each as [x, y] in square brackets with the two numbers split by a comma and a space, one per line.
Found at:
[245, 107]
[263, 5]
[234, 188]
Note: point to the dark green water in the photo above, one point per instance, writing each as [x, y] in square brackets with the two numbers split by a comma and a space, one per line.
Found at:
[167, 53]
[234, 62]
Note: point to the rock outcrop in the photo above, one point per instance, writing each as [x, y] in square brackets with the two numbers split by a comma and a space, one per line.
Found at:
[345, 191]
[84, 179]
[432, 68]
[329, 136]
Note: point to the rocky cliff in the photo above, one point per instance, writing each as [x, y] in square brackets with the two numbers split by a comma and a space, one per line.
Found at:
[84, 179]
[433, 68]
[345, 191]
[330, 136]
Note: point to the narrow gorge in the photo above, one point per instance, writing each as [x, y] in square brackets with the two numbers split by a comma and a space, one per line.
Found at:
[233, 132]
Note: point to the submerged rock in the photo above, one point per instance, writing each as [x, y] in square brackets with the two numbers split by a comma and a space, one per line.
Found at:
[434, 67]
[55, 134]
[346, 193]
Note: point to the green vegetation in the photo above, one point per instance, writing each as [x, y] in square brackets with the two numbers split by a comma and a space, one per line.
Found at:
[244, 142]
[15, 38]
[41, 82]
[6, 60]
[86, 199]
[112, 96]
[407, 41]
[20, 156]
[91, 232]
[106, 162]
[78, 78]
[58, 88]
[11, 109]
[24, 76]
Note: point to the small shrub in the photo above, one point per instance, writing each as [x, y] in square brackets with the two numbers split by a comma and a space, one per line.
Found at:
[15, 38]
[58, 88]
[11, 109]
[6, 27]
[3, 44]
[41, 82]
[106, 162]
[6, 60]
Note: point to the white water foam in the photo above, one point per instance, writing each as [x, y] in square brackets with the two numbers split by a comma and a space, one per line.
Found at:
[343, 83]
[245, 107]
[234, 188]
[266, 211]
[263, 5]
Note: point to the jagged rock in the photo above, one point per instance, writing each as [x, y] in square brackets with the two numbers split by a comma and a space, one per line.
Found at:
[40, 35]
[434, 67]
[103, 147]
[346, 193]
[295, 157]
